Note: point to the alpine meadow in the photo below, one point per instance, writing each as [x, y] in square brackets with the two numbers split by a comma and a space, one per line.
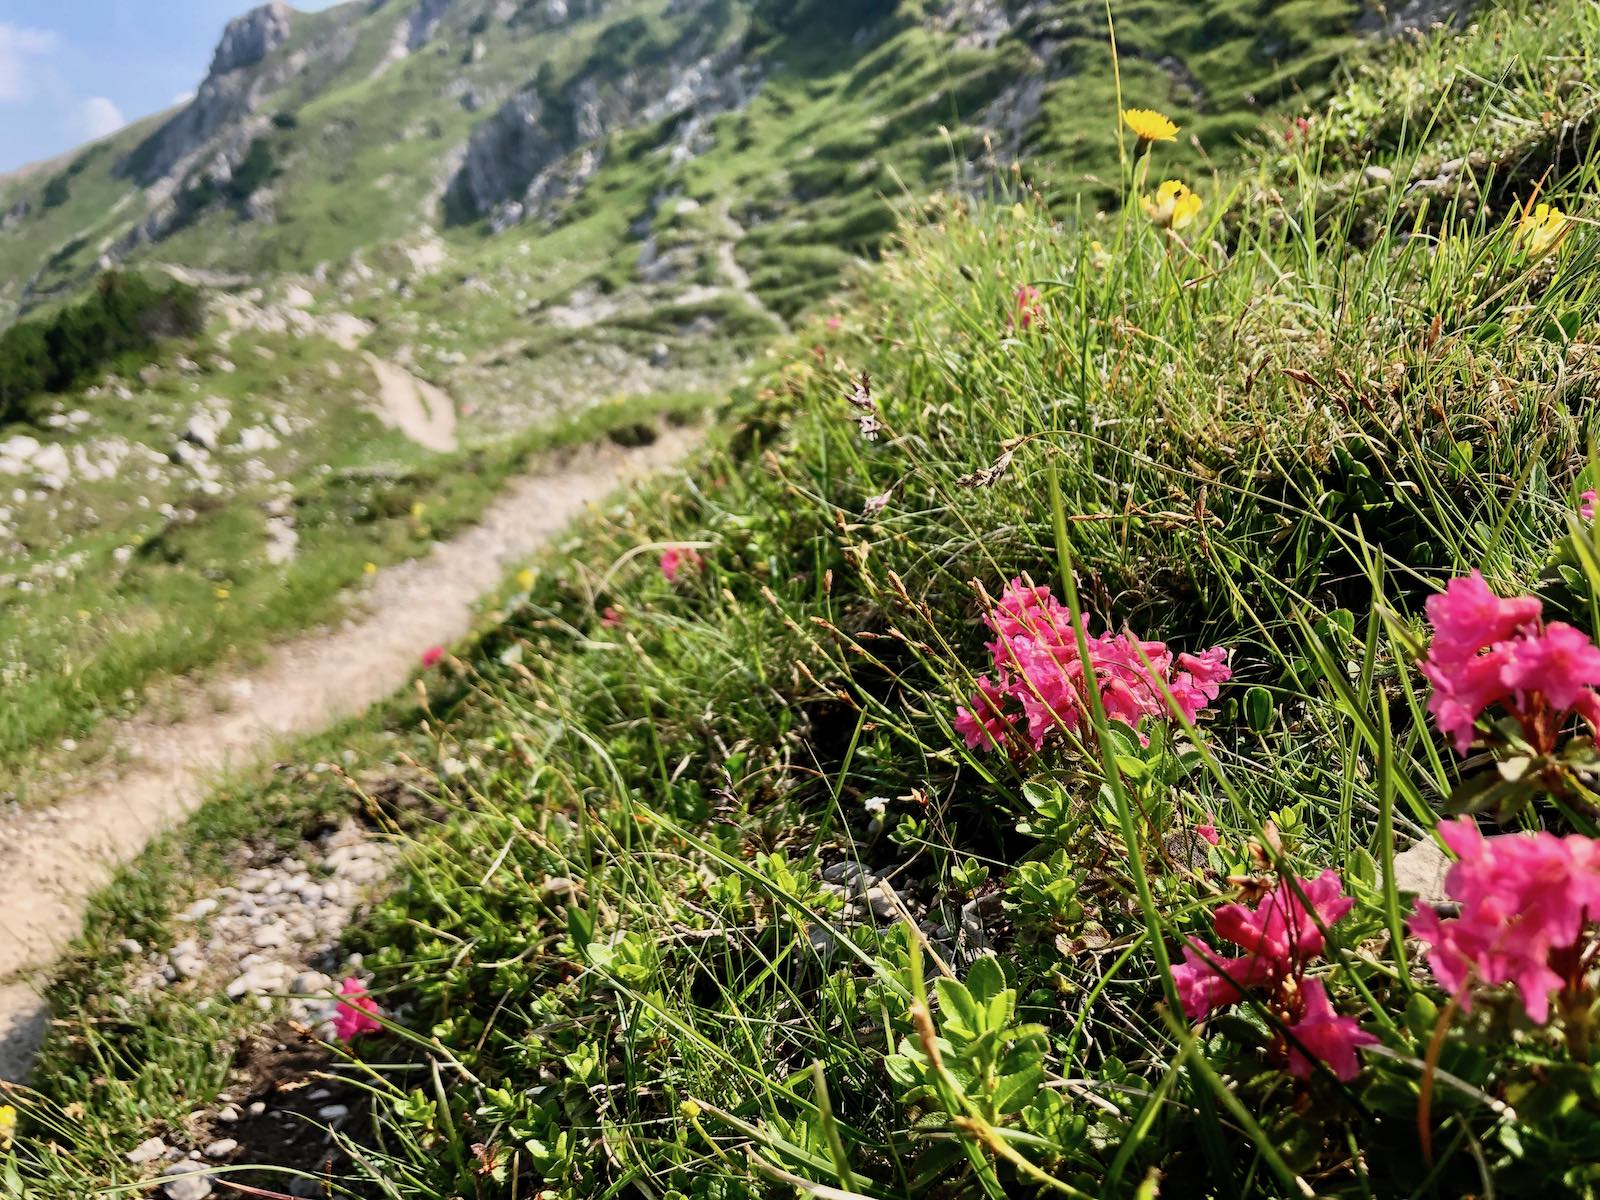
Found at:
[847, 599]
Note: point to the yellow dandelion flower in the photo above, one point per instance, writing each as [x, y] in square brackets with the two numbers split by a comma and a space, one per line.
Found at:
[1542, 230]
[525, 579]
[8, 1126]
[1173, 206]
[370, 568]
[1148, 125]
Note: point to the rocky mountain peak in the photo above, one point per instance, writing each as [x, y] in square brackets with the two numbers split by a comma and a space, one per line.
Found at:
[249, 38]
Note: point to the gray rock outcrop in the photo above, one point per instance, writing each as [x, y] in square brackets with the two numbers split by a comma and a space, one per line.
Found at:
[250, 38]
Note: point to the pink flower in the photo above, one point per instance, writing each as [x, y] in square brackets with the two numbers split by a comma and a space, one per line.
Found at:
[1587, 503]
[1560, 661]
[1207, 981]
[432, 655]
[675, 558]
[356, 1011]
[1279, 937]
[611, 618]
[1209, 832]
[1300, 126]
[1487, 652]
[1468, 618]
[1281, 927]
[1325, 1035]
[1525, 899]
[834, 322]
[1038, 670]
[1028, 307]
[985, 724]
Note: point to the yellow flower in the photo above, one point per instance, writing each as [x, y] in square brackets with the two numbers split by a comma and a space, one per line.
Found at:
[1148, 125]
[1018, 212]
[370, 568]
[418, 509]
[1542, 229]
[8, 1126]
[221, 593]
[1173, 207]
[525, 579]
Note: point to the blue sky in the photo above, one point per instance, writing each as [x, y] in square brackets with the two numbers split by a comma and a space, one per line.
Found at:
[74, 70]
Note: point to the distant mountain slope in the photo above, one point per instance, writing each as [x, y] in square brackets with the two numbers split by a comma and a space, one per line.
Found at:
[318, 137]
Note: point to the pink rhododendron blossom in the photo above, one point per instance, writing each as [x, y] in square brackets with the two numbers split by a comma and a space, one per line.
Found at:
[1280, 936]
[1040, 677]
[357, 1009]
[1029, 308]
[432, 656]
[1281, 927]
[1325, 1035]
[986, 723]
[1559, 661]
[1487, 651]
[1207, 982]
[1527, 901]
[676, 558]
[1587, 503]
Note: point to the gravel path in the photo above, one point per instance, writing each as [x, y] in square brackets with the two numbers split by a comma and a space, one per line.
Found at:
[53, 859]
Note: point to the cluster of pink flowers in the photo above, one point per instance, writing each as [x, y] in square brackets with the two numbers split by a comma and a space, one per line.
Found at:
[1040, 678]
[1526, 903]
[1279, 937]
[1487, 651]
[675, 559]
[1029, 308]
[1587, 503]
[357, 1010]
[1299, 127]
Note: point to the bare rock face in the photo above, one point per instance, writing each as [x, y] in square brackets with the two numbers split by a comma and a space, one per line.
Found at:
[538, 149]
[250, 38]
[423, 22]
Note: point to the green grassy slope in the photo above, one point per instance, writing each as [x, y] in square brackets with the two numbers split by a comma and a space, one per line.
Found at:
[623, 944]
[850, 128]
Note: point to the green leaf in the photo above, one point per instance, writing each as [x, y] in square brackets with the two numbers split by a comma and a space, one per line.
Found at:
[1258, 708]
[986, 979]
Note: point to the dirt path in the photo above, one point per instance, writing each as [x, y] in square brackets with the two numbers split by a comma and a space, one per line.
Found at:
[417, 409]
[53, 859]
[737, 277]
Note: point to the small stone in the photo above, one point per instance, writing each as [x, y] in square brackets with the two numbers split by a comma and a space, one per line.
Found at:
[271, 936]
[198, 910]
[129, 946]
[311, 983]
[147, 1151]
[333, 1112]
[221, 1148]
[259, 1107]
[1421, 869]
[882, 903]
[228, 1114]
[185, 1181]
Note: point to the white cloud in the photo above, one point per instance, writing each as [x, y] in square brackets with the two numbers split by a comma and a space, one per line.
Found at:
[19, 44]
[183, 97]
[98, 117]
